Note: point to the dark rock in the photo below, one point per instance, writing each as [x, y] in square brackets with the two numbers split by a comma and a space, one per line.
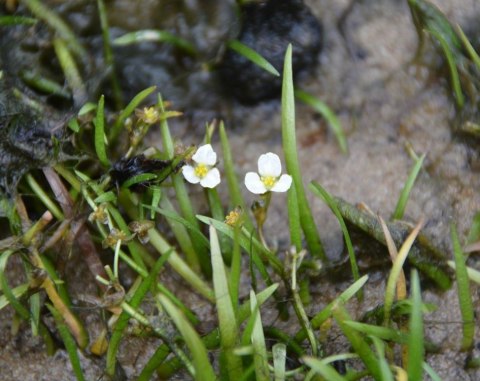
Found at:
[268, 27]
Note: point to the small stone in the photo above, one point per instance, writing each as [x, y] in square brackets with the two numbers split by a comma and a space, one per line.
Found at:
[268, 27]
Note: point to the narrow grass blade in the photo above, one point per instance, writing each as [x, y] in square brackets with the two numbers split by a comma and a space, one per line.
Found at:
[463, 289]
[382, 361]
[429, 370]
[468, 46]
[454, 75]
[383, 333]
[129, 109]
[320, 367]
[212, 339]
[279, 353]
[108, 53]
[416, 349]
[71, 72]
[16, 292]
[236, 198]
[180, 266]
[17, 20]
[257, 338]
[321, 192]
[246, 243]
[474, 275]
[44, 197]
[179, 227]
[124, 317]
[55, 22]
[100, 139]
[216, 209]
[403, 199]
[7, 291]
[227, 321]
[291, 158]
[139, 179]
[396, 270]
[328, 114]
[392, 250]
[44, 85]
[298, 306]
[201, 362]
[294, 220]
[153, 363]
[474, 233]
[202, 259]
[323, 315]
[69, 342]
[357, 342]
[253, 56]
[152, 35]
[174, 216]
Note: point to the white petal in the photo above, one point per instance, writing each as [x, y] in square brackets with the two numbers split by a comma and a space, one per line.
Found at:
[269, 165]
[283, 184]
[211, 179]
[254, 184]
[189, 173]
[205, 155]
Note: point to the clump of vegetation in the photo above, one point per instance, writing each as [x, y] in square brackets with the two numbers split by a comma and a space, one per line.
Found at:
[88, 202]
[462, 61]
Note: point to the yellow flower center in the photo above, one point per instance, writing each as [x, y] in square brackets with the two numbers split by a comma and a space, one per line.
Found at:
[150, 114]
[269, 181]
[201, 171]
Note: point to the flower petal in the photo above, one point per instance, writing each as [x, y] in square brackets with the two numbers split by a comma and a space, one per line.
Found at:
[254, 184]
[189, 173]
[205, 155]
[269, 165]
[283, 184]
[211, 179]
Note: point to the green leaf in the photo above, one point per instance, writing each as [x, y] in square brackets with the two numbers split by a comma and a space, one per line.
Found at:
[201, 362]
[416, 349]
[395, 272]
[100, 139]
[258, 342]
[328, 114]
[291, 158]
[279, 353]
[402, 200]
[122, 322]
[227, 321]
[137, 179]
[321, 192]
[69, 341]
[129, 109]
[253, 56]
[323, 369]
[106, 197]
[358, 343]
[324, 314]
[463, 289]
[17, 20]
[153, 35]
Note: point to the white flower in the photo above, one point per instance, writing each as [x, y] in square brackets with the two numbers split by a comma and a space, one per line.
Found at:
[268, 178]
[203, 171]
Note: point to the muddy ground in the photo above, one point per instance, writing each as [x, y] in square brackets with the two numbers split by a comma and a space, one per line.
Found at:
[384, 103]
